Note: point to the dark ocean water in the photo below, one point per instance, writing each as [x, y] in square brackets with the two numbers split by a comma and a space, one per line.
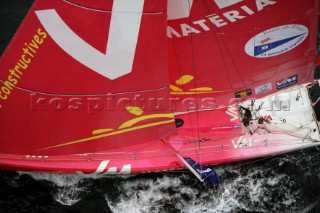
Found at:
[285, 183]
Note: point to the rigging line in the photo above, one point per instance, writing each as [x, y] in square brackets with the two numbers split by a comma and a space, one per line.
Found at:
[90, 94]
[255, 109]
[217, 139]
[285, 142]
[243, 164]
[194, 82]
[107, 11]
[177, 58]
[201, 110]
[225, 45]
[303, 103]
[180, 74]
[282, 131]
[221, 55]
[298, 97]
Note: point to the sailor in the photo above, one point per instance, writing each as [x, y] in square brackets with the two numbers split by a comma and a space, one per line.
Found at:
[247, 116]
[261, 126]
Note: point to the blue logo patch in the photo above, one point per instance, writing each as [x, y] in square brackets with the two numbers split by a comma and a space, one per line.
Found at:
[276, 41]
[286, 82]
[237, 127]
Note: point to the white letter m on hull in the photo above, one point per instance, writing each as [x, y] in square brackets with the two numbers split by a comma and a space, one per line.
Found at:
[121, 45]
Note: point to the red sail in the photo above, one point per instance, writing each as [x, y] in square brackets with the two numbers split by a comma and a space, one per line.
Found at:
[237, 49]
[130, 86]
[82, 77]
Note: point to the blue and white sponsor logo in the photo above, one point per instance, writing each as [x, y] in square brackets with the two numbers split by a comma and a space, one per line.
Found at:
[287, 82]
[263, 88]
[237, 127]
[276, 41]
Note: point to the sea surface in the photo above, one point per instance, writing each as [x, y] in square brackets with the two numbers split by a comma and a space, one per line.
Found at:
[284, 183]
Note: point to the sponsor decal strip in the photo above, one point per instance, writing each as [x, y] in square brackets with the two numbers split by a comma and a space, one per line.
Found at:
[263, 88]
[283, 83]
[276, 41]
[15, 74]
[212, 21]
[243, 93]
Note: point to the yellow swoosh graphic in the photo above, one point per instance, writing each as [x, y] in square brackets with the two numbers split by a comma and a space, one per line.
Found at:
[138, 119]
[184, 79]
[134, 110]
[174, 88]
[201, 89]
[98, 131]
[110, 134]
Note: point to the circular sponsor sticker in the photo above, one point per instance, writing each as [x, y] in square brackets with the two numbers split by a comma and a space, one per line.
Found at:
[276, 41]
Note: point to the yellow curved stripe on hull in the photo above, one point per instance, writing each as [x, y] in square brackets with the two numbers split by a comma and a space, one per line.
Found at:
[138, 119]
[201, 89]
[174, 88]
[109, 134]
[98, 131]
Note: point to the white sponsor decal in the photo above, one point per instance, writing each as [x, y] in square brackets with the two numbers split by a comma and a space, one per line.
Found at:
[122, 40]
[212, 21]
[263, 88]
[233, 112]
[37, 156]
[242, 142]
[287, 82]
[126, 169]
[248, 141]
[276, 41]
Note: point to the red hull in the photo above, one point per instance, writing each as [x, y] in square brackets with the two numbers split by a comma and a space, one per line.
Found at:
[97, 86]
[140, 162]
